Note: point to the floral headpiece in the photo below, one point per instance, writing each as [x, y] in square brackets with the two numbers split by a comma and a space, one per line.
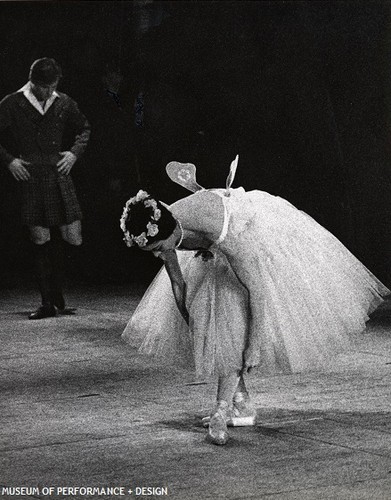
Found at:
[152, 228]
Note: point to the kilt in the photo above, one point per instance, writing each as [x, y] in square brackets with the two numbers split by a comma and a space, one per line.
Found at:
[48, 197]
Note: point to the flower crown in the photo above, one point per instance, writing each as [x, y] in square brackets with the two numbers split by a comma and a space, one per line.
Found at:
[152, 228]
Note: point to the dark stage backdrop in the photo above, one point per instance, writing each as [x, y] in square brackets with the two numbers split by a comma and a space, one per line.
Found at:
[300, 90]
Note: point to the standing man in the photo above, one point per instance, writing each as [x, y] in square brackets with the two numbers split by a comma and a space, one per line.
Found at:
[50, 134]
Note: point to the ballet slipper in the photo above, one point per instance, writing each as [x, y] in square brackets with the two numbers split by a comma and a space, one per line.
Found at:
[217, 432]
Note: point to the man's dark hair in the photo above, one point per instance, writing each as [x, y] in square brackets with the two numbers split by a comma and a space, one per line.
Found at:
[45, 71]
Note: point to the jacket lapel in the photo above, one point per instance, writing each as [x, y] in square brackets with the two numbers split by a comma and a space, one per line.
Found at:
[33, 114]
[28, 109]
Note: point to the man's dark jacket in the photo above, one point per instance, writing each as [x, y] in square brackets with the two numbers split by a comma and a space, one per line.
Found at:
[40, 138]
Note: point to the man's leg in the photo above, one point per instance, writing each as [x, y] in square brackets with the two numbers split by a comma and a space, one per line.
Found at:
[71, 233]
[71, 242]
[40, 237]
[57, 274]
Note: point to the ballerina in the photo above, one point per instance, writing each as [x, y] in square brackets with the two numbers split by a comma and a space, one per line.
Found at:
[248, 281]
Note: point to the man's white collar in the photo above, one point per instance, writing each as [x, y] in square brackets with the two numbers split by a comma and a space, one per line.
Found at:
[26, 90]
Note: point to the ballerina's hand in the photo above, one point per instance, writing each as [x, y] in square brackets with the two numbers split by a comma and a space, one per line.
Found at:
[247, 365]
[186, 316]
[246, 369]
[205, 255]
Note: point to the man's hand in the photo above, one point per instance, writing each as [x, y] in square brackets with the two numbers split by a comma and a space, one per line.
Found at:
[66, 163]
[18, 169]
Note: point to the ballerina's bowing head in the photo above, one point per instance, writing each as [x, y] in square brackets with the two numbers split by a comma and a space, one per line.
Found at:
[149, 225]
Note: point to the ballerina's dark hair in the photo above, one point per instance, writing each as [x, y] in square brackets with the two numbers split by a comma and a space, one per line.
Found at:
[139, 215]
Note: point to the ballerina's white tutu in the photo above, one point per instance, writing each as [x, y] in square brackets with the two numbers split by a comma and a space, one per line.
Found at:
[280, 288]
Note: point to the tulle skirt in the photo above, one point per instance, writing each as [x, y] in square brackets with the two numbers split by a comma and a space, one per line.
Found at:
[286, 291]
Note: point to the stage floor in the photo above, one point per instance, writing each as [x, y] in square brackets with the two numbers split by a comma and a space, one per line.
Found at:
[79, 408]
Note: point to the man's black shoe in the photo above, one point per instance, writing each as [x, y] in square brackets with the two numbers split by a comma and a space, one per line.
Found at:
[43, 312]
[58, 301]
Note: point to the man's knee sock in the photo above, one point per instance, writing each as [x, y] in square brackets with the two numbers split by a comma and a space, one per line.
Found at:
[43, 271]
[74, 262]
[56, 252]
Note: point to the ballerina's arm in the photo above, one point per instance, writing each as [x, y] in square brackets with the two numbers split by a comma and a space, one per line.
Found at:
[178, 284]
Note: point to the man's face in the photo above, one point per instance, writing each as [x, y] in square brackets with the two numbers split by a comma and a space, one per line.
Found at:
[43, 92]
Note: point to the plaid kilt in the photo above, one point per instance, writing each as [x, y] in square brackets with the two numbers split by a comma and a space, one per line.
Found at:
[48, 197]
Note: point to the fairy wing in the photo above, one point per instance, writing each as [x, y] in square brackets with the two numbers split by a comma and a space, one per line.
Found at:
[183, 174]
[231, 175]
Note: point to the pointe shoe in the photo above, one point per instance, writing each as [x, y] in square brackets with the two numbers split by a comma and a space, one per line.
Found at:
[242, 413]
[217, 432]
[206, 420]
[48, 311]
